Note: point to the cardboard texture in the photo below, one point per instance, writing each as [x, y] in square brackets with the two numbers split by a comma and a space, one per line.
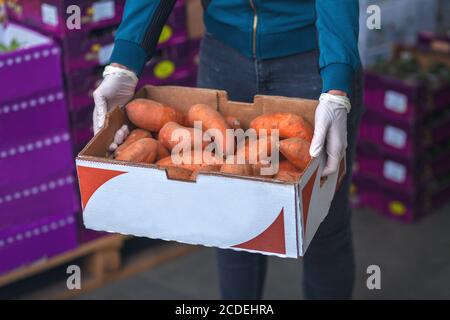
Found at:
[250, 214]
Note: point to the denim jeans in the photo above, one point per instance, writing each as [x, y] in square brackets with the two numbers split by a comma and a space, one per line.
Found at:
[329, 261]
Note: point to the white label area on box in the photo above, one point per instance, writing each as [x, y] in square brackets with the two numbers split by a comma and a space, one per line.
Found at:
[394, 137]
[394, 171]
[104, 54]
[395, 101]
[49, 14]
[103, 10]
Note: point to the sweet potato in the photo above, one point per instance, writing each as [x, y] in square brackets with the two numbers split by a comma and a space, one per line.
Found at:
[288, 172]
[207, 164]
[144, 150]
[289, 125]
[237, 169]
[211, 119]
[285, 165]
[134, 136]
[254, 151]
[162, 152]
[151, 115]
[168, 141]
[233, 122]
[296, 150]
[287, 176]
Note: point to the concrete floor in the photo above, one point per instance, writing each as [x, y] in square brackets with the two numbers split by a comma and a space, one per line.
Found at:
[414, 261]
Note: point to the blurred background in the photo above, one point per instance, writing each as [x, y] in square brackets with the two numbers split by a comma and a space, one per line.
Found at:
[401, 187]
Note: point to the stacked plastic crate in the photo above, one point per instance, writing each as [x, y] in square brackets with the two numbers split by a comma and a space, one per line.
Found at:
[403, 158]
[86, 50]
[38, 202]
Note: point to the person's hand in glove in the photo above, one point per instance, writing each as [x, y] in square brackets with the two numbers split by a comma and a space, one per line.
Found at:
[117, 89]
[331, 126]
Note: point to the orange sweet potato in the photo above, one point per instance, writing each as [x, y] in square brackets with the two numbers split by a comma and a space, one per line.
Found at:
[285, 165]
[144, 150]
[237, 169]
[211, 119]
[289, 125]
[134, 136]
[168, 141]
[151, 115]
[206, 164]
[162, 152]
[255, 150]
[296, 150]
[233, 122]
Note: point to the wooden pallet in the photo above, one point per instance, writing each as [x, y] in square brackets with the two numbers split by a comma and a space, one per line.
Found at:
[100, 261]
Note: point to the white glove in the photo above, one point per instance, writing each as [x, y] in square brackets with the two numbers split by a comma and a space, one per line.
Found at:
[119, 137]
[331, 125]
[117, 89]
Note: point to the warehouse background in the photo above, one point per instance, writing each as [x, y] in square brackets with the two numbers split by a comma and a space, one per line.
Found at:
[401, 181]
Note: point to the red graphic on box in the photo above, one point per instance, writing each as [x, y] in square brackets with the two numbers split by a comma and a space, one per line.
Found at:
[306, 198]
[91, 179]
[270, 240]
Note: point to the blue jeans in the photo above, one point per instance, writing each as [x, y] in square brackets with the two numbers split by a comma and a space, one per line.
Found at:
[329, 261]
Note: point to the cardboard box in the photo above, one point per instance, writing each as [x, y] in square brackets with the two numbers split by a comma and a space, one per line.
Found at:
[219, 210]
[22, 70]
[50, 16]
[194, 12]
[37, 241]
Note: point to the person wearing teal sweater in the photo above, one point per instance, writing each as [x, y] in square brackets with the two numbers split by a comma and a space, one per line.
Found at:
[298, 48]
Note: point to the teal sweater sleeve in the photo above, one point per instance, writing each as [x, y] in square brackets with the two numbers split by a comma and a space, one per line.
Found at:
[337, 24]
[138, 34]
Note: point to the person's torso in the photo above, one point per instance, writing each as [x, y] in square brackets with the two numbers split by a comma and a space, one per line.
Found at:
[258, 27]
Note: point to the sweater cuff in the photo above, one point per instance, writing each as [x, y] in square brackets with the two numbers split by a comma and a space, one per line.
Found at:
[129, 54]
[337, 76]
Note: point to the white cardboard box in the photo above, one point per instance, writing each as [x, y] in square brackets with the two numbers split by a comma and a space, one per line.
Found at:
[218, 210]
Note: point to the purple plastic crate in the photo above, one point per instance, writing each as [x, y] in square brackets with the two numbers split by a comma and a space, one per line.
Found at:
[93, 49]
[37, 199]
[80, 86]
[35, 158]
[430, 40]
[409, 176]
[162, 71]
[87, 235]
[401, 101]
[22, 71]
[398, 206]
[34, 115]
[82, 134]
[87, 50]
[50, 17]
[177, 18]
[37, 241]
[404, 140]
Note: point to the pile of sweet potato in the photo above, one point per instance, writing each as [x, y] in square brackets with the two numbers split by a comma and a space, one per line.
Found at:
[153, 141]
